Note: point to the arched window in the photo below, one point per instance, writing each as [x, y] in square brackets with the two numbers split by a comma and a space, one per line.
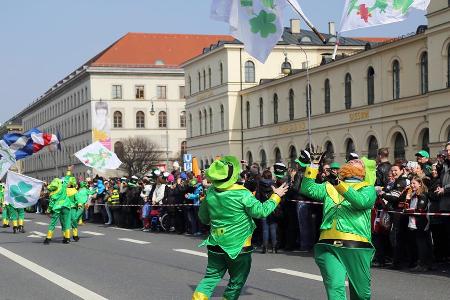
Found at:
[117, 119]
[140, 119]
[249, 71]
[190, 85]
[210, 120]
[291, 105]
[424, 73]
[183, 148]
[399, 147]
[329, 148]
[249, 158]
[221, 72]
[448, 66]
[292, 156]
[206, 121]
[222, 117]
[277, 154]
[119, 149]
[373, 148]
[396, 80]
[200, 122]
[308, 92]
[370, 86]
[204, 79]
[209, 77]
[202, 166]
[350, 147]
[247, 113]
[348, 91]
[183, 119]
[263, 158]
[275, 108]
[190, 124]
[327, 96]
[261, 112]
[199, 81]
[162, 119]
[426, 140]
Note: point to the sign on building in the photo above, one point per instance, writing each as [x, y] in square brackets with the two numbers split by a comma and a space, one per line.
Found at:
[187, 160]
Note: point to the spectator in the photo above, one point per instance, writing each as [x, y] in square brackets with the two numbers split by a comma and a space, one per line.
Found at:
[444, 192]
[423, 158]
[383, 167]
[194, 198]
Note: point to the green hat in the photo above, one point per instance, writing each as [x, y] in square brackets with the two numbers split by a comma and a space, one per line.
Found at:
[224, 172]
[83, 184]
[335, 166]
[193, 182]
[423, 153]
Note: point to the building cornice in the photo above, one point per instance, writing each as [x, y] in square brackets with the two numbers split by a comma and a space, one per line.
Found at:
[134, 70]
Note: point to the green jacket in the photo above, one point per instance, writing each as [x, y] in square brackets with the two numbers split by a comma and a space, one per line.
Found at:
[230, 214]
[348, 204]
[58, 195]
[82, 197]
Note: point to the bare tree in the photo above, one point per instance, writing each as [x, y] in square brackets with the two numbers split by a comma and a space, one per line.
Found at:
[138, 155]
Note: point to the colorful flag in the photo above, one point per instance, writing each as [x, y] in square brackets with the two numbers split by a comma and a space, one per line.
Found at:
[22, 191]
[256, 23]
[30, 142]
[7, 158]
[367, 13]
[98, 157]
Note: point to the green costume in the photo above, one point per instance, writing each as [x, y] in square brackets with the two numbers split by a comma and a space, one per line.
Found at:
[78, 202]
[59, 206]
[5, 215]
[344, 247]
[17, 215]
[229, 208]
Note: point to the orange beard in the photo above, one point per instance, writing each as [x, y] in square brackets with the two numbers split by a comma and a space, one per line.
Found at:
[350, 170]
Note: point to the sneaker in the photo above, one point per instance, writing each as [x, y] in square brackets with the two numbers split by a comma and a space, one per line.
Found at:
[66, 241]
[76, 238]
[47, 241]
[419, 269]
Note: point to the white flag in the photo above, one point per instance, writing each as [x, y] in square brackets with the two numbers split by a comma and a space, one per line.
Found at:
[367, 13]
[7, 158]
[256, 23]
[98, 157]
[22, 191]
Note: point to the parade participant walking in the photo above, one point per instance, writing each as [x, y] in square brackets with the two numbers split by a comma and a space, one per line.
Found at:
[229, 208]
[344, 246]
[78, 205]
[5, 215]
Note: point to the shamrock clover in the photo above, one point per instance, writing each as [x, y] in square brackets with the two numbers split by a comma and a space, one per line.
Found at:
[267, 3]
[263, 23]
[246, 3]
[403, 5]
[380, 4]
[19, 192]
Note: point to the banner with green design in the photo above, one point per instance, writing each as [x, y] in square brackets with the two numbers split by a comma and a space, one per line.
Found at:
[22, 191]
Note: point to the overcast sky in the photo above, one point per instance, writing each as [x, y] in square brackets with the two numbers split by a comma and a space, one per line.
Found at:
[42, 41]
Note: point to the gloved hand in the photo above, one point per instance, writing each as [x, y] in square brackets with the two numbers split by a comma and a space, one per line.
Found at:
[333, 178]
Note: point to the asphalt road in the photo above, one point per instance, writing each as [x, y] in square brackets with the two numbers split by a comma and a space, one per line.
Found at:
[109, 263]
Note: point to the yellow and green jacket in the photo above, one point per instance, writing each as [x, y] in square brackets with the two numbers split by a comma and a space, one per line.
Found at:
[346, 207]
[230, 214]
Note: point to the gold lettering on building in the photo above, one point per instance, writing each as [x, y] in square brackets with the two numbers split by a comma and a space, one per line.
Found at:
[288, 128]
[358, 116]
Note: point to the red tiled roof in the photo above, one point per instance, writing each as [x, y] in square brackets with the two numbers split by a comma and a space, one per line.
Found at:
[146, 49]
[373, 39]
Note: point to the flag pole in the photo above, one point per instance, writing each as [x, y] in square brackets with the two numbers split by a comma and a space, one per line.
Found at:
[310, 25]
[336, 45]
[308, 98]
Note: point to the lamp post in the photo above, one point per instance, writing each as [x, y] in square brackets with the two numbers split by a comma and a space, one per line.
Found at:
[152, 113]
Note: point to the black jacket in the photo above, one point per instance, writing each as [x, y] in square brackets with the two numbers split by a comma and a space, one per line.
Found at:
[382, 173]
[394, 196]
[445, 183]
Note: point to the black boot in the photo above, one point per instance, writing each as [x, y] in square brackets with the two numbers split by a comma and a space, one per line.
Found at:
[5, 226]
[66, 241]
[47, 241]
[21, 229]
[264, 249]
[14, 229]
[275, 249]
[76, 238]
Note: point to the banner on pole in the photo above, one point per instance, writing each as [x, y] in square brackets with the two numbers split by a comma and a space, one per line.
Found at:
[22, 191]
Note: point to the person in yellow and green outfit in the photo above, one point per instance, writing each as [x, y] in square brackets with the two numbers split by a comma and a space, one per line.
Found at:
[17, 215]
[344, 248]
[79, 201]
[59, 208]
[5, 215]
[229, 208]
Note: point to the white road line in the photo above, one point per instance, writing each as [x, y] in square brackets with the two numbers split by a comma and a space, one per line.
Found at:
[92, 233]
[198, 253]
[66, 284]
[41, 223]
[37, 234]
[118, 228]
[134, 241]
[299, 274]
[27, 220]
[59, 227]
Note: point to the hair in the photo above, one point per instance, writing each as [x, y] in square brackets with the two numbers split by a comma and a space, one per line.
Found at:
[399, 164]
[423, 187]
[266, 174]
[383, 152]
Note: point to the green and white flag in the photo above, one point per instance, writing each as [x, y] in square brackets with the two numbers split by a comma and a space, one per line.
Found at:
[98, 157]
[22, 191]
[7, 158]
[367, 13]
[256, 23]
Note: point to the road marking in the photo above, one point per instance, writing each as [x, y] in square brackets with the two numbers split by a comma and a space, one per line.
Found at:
[123, 229]
[27, 220]
[59, 227]
[299, 274]
[198, 253]
[41, 223]
[134, 241]
[66, 284]
[92, 233]
[37, 234]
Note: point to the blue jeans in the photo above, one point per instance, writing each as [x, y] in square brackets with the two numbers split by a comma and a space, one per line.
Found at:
[192, 214]
[305, 226]
[269, 229]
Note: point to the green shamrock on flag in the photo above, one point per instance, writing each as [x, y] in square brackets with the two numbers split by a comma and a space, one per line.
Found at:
[263, 23]
[19, 192]
[403, 5]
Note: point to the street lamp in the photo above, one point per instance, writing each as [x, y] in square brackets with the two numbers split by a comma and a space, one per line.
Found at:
[152, 113]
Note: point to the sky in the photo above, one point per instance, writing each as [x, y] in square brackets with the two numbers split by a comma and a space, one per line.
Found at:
[42, 41]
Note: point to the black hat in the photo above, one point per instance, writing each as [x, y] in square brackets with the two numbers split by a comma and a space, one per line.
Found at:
[279, 169]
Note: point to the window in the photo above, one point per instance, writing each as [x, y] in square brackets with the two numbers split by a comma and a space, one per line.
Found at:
[247, 110]
[249, 158]
[161, 92]
[190, 125]
[119, 149]
[140, 119]
[222, 118]
[190, 85]
[221, 73]
[348, 91]
[263, 158]
[329, 148]
[291, 104]
[426, 140]
[182, 95]
[162, 119]
[183, 119]
[200, 122]
[140, 92]
[275, 108]
[373, 148]
[396, 79]
[350, 147]
[199, 82]
[327, 96]
[292, 156]
[448, 64]
[183, 148]
[209, 77]
[277, 153]
[399, 147]
[370, 86]
[249, 71]
[261, 112]
[308, 100]
[206, 121]
[210, 120]
[117, 119]
[424, 73]
[204, 79]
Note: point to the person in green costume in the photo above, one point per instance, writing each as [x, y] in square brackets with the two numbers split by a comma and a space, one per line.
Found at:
[5, 215]
[80, 199]
[59, 208]
[344, 247]
[229, 208]
[17, 215]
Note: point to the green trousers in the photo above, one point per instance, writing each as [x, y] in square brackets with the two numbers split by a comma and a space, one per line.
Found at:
[218, 264]
[5, 215]
[63, 215]
[337, 263]
[75, 215]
